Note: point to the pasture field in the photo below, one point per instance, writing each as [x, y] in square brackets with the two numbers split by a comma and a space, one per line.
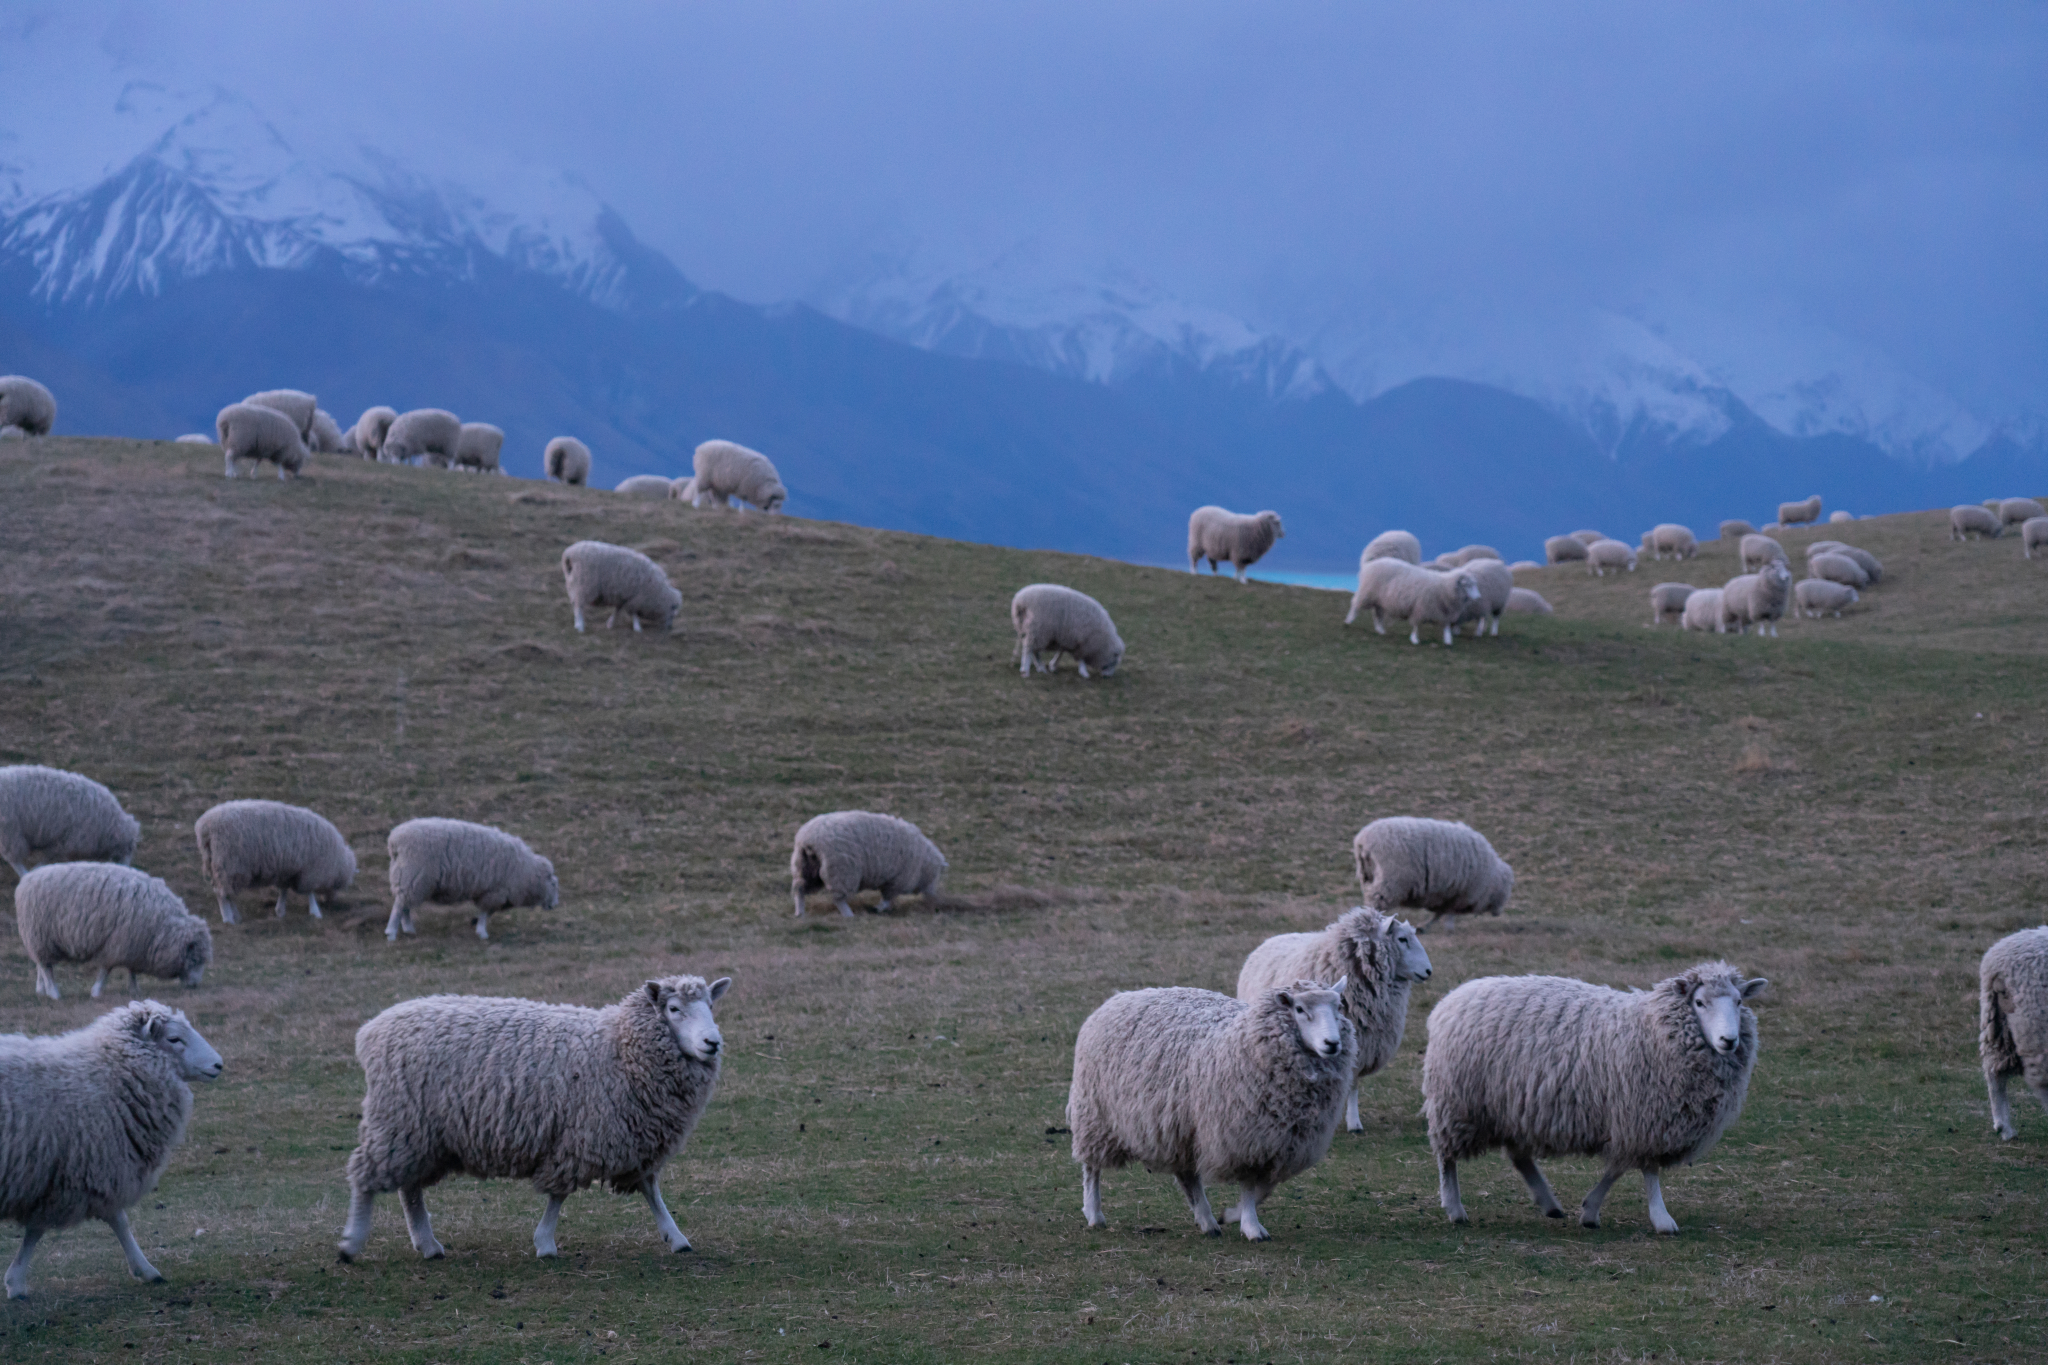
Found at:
[1856, 811]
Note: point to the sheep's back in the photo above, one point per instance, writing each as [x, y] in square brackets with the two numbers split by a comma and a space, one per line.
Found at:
[1284, 959]
[448, 862]
[1521, 1060]
[1133, 1096]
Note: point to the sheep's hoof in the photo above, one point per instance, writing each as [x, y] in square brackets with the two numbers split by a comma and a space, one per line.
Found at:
[1553, 1212]
[344, 1255]
[1212, 1232]
[1461, 1218]
[2005, 1134]
[680, 1245]
[1589, 1220]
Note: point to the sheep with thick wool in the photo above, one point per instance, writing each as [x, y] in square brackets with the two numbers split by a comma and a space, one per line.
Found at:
[1588, 538]
[1758, 550]
[88, 1121]
[1393, 545]
[1234, 538]
[1799, 513]
[1872, 566]
[1564, 550]
[1419, 596]
[567, 460]
[1840, 515]
[1837, 569]
[1209, 1088]
[1529, 601]
[1758, 599]
[725, 470]
[430, 434]
[326, 437]
[2012, 1012]
[1406, 862]
[600, 575]
[846, 852]
[1667, 602]
[1496, 584]
[683, 489]
[1465, 554]
[1735, 530]
[478, 446]
[560, 1095]
[2015, 511]
[254, 432]
[1053, 620]
[26, 405]
[1969, 520]
[1816, 597]
[1603, 555]
[370, 430]
[1548, 1066]
[105, 915]
[244, 844]
[1703, 611]
[61, 816]
[301, 407]
[1670, 538]
[2033, 536]
[650, 486]
[1379, 957]
[450, 862]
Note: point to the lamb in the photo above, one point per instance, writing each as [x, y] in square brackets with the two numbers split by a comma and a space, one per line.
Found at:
[1837, 569]
[557, 1094]
[294, 404]
[1548, 1066]
[1667, 602]
[1678, 541]
[1464, 555]
[1736, 530]
[326, 437]
[2033, 535]
[1761, 599]
[1393, 545]
[1872, 566]
[430, 434]
[107, 916]
[63, 817]
[250, 431]
[370, 430]
[1050, 619]
[648, 486]
[88, 1121]
[2017, 511]
[1496, 585]
[1799, 513]
[1563, 550]
[1969, 520]
[1816, 596]
[1210, 1088]
[601, 575]
[1529, 600]
[850, 851]
[2012, 1005]
[1839, 515]
[1759, 550]
[1405, 862]
[447, 862]
[567, 461]
[26, 406]
[478, 447]
[1703, 611]
[1379, 957]
[1231, 538]
[1603, 555]
[268, 843]
[724, 470]
[1419, 596]
[1588, 538]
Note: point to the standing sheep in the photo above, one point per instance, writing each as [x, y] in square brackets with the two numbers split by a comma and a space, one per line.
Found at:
[601, 575]
[557, 1094]
[250, 431]
[1667, 602]
[1530, 601]
[1762, 599]
[1379, 957]
[430, 434]
[1837, 569]
[1373, 575]
[88, 1121]
[2016, 511]
[370, 430]
[724, 470]
[1419, 596]
[1230, 538]
[448, 862]
[1393, 545]
[26, 406]
[1735, 603]
[326, 437]
[567, 461]
[1603, 555]
[2033, 535]
[1563, 550]
[243, 844]
[1496, 585]
[1817, 596]
[1050, 619]
[1547, 1066]
[1209, 1088]
[105, 915]
[297, 406]
[1735, 530]
[1969, 520]
[1799, 513]
[1405, 862]
[1670, 537]
[850, 851]
[1703, 611]
[1758, 550]
[478, 447]
[2012, 1035]
[63, 817]
[651, 486]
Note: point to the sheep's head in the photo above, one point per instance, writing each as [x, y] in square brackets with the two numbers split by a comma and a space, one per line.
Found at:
[684, 1003]
[1468, 588]
[1408, 950]
[1715, 992]
[172, 1033]
[1317, 1015]
[1272, 522]
[550, 886]
[773, 496]
[198, 953]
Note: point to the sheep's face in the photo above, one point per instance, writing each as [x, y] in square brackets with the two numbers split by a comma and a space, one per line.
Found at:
[688, 1017]
[1272, 520]
[197, 954]
[194, 1056]
[550, 887]
[1717, 1007]
[772, 500]
[1318, 1023]
[1468, 590]
[1408, 950]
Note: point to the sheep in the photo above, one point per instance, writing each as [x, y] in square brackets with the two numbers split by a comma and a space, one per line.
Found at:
[1763, 600]
[63, 817]
[107, 916]
[2012, 1006]
[1968, 520]
[2017, 511]
[1837, 569]
[1678, 540]
[1050, 619]
[326, 437]
[648, 486]
[683, 490]
[1736, 530]
[88, 1121]
[1419, 596]
[370, 430]
[268, 843]
[430, 434]
[2033, 535]
[1464, 555]
[1496, 585]
[447, 862]
[1758, 550]
[1405, 862]
[294, 404]
[1703, 611]
[1529, 600]
[26, 406]
[1231, 538]
[478, 447]
[724, 470]
[1667, 602]
[1839, 515]
[1799, 513]
[601, 575]
[1563, 550]
[250, 431]
[567, 461]
[847, 852]
[560, 1095]
[195, 438]
[1549, 1066]
[1872, 566]
[1380, 957]
[1603, 555]
[1588, 538]
[1816, 596]
[1209, 1088]
[1393, 545]
[1373, 575]
[1734, 604]
[1522, 565]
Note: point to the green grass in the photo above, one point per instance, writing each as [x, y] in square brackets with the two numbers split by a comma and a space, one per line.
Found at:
[1855, 810]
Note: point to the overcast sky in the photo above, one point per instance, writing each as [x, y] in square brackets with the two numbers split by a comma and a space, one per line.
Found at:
[1882, 170]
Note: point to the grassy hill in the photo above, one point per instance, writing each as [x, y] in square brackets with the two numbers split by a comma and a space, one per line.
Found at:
[1855, 810]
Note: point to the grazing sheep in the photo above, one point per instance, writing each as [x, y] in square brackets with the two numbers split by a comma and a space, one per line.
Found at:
[1588, 538]
[370, 430]
[105, 915]
[1373, 574]
[1603, 555]
[1872, 566]
[2033, 535]
[1563, 550]
[26, 406]
[1967, 520]
[1405, 862]
[430, 434]
[326, 437]
[1758, 550]
[1839, 515]
[557, 1094]
[250, 431]
[724, 470]
[1799, 513]
[1736, 530]
[683, 490]
[88, 1121]
[478, 448]
[299, 406]
[195, 438]
[652, 486]
[1667, 602]
[1703, 611]
[1548, 1066]
[448, 862]
[2012, 1035]
[1209, 1088]
[1837, 569]
[567, 461]
[1496, 585]
[1393, 545]
[847, 852]
[1419, 596]
[1816, 596]
[2016, 511]
[601, 575]
[1529, 600]
[1521, 564]
[268, 843]
[1464, 555]
[1056, 620]
[62, 817]
[1379, 957]
[1225, 537]
[1678, 541]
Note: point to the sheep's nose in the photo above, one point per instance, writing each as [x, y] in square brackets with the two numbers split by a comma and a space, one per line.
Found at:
[713, 1044]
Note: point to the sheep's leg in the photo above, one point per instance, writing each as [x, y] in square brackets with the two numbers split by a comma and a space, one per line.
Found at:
[1091, 1196]
[1378, 623]
[1496, 627]
[796, 893]
[138, 1264]
[1198, 1204]
[636, 625]
[46, 982]
[883, 906]
[358, 1230]
[17, 1270]
[1352, 615]
[1659, 1217]
[312, 905]
[99, 982]
[579, 620]
[1081, 664]
[280, 902]
[1539, 1188]
[1414, 635]
[1589, 1211]
[483, 924]
[418, 1225]
[228, 914]
[1447, 1191]
[1352, 1122]
[612, 620]
[231, 464]
[1247, 1213]
[1447, 635]
[844, 908]
[1240, 574]
[664, 1222]
[544, 1235]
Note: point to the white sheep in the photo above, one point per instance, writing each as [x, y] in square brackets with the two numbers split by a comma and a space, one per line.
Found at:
[448, 862]
[1838, 515]
[1969, 520]
[1735, 603]
[1837, 569]
[430, 434]
[683, 489]
[1703, 611]
[1667, 602]
[1589, 538]
[1393, 545]
[1872, 566]
[1405, 862]
[195, 438]
[1678, 541]
[1496, 585]
[1055, 620]
[1735, 530]
[1758, 550]
[1547, 1066]
[1799, 513]
[1419, 596]
[370, 430]
[2033, 535]
[846, 852]
[1530, 601]
[559, 1095]
[295, 404]
[244, 844]
[1524, 565]
[652, 486]
[1225, 537]
[478, 448]
[1209, 1088]
[325, 438]
[251, 431]
[105, 915]
[725, 470]
[600, 575]
[1564, 550]
[1373, 574]
[61, 816]
[2012, 1035]
[26, 406]
[567, 461]
[2016, 511]
[1603, 555]
[88, 1121]
[1760, 599]
[1378, 956]
[1465, 554]
[1817, 596]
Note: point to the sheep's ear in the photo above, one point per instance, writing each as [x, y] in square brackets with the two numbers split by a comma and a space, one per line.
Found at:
[1286, 998]
[720, 986]
[1342, 982]
[1754, 987]
[158, 1028]
[654, 992]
